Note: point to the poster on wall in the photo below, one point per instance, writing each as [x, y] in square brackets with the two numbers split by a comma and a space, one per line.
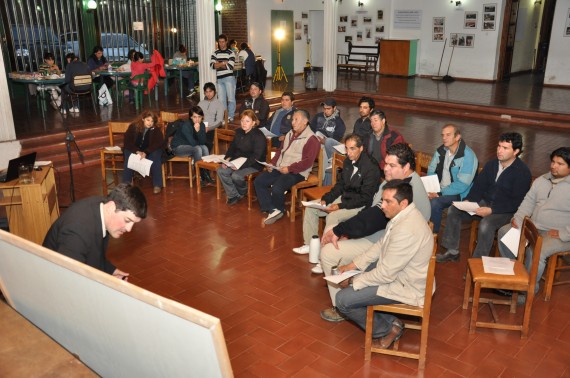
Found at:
[343, 19]
[379, 28]
[306, 29]
[489, 14]
[298, 25]
[407, 19]
[297, 36]
[354, 21]
[342, 29]
[470, 20]
[359, 36]
[438, 29]
[461, 40]
[567, 27]
[368, 33]
[367, 20]
[380, 15]
[304, 15]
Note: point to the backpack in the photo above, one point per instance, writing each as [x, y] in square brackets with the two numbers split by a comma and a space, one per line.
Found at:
[171, 129]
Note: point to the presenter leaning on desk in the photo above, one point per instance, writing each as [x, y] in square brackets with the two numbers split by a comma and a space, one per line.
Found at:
[145, 139]
[82, 232]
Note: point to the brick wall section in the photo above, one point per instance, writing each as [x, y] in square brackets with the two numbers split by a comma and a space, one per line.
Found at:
[234, 20]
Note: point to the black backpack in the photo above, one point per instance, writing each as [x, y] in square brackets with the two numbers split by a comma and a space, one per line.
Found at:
[171, 129]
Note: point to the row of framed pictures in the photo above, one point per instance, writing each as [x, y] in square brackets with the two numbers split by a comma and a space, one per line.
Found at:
[378, 29]
[359, 37]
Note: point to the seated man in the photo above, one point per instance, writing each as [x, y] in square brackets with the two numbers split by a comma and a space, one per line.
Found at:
[213, 113]
[455, 165]
[331, 126]
[280, 121]
[395, 267]
[499, 190]
[343, 242]
[74, 68]
[354, 190]
[547, 204]
[256, 102]
[362, 125]
[294, 159]
[381, 137]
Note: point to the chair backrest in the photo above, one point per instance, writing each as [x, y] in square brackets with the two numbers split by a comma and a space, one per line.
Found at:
[530, 234]
[82, 83]
[337, 163]
[172, 116]
[320, 161]
[226, 120]
[117, 128]
[222, 135]
[422, 162]
[430, 280]
[141, 80]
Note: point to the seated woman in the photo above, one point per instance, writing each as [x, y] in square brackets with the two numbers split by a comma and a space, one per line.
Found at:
[47, 68]
[97, 62]
[127, 66]
[145, 139]
[190, 140]
[249, 143]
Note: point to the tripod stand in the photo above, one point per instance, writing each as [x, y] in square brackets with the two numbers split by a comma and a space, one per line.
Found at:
[279, 72]
[69, 139]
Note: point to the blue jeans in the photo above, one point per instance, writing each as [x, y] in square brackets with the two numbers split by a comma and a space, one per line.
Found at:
[195, 151]
[155, 168]
[439, 204]
[270, 188]
[227, 94]
[234, 181]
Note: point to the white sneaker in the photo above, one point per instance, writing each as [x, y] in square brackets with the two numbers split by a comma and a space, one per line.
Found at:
[273, 217]
[302, 250]
[75, 109]
[317, 269]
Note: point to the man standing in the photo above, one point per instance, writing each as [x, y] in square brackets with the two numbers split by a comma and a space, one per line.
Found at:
[381, 138]
[280, 121]
[329, 129]
[256, 102]
[82, 232]
[213, 113]
[362, 125]
[499, 190]
[343, 242]
[548, 206]
[455, 165]
[294, 161]
[354, 190]
[395, 267]
[223, 60]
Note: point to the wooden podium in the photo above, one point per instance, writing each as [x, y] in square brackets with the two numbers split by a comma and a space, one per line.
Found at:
[398, 57]
[31, 208]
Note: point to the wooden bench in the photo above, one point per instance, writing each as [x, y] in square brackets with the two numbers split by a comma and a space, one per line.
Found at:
[359, 57]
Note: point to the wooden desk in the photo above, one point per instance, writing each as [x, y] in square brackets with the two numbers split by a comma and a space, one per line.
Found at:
[25, 351]
[398, 57]
[31, 208]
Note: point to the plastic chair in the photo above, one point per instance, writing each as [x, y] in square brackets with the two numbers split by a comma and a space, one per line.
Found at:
[139, 84]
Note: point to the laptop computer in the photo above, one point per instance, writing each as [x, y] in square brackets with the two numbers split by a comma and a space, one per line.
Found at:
[11, 172]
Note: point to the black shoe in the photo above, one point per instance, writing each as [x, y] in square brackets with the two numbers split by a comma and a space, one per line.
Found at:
[232, 201]
[447, 257]
[205, 174]
[504, 293]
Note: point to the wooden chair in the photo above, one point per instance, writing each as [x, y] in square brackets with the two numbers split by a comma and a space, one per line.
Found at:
[553, 269]
[415, 311]
[520, 281]
[220, 135]
[111, 158]
[422, 162]
[311, 181]
[251, 177]
[167, 168]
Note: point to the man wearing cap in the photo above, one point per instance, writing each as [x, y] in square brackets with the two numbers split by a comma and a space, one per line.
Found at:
[329, 129]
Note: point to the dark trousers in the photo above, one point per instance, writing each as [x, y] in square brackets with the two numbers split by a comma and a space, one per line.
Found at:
[155, 168]
[270, 188]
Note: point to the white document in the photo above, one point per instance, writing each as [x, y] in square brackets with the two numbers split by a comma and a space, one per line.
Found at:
[340, 148]
[213, 158]
[467, 206]
[42, 163]
[113, 148]
[314, 205]
[341, 277]
[512, 240]
[236, 163]
[267, 165]
[321, 135]
[431, 183]
[142, 166]
[498, 265]
[267, 133]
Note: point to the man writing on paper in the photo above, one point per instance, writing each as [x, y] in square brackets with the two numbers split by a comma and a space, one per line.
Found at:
[353, 191]
[82, 232]
[547, 203]
[499, 190]
[455, 165]
[395, 267]
[342, 242]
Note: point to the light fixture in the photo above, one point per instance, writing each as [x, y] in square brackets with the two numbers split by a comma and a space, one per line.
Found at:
[218, 7]
[91, 5]
[279, 35]
[173, 30]
[360, 4]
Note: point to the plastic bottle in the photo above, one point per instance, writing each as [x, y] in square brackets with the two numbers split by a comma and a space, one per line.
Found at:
[314, 249]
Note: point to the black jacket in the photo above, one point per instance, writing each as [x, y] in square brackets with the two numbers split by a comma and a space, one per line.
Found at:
[252, 146]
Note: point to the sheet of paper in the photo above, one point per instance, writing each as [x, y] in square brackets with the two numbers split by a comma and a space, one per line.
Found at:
[498, 265]
[113, 148]
[142, 166]
[340, 148]
[213, 158]
[341, 277]
[431, 183]
[237, 163]
[41, 163]
[314, 205]
[267, 165]
[467, 206]
[511, 239]
[267, 133]
[321, 135]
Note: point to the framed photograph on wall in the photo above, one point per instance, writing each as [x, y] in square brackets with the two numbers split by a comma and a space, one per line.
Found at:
[567, 27]
[359, 36]
[306, 29]
[379, 28]
[368, 33]
[367, 20]
[461, 40]
[380, 15]
[354, 21]
[469, 40]
[470, 20]
[348, 38]
[304, 15]
[489, 16]
[343, 18]
[297, 36]
[342, 29]
[297, 25]
[438, 29]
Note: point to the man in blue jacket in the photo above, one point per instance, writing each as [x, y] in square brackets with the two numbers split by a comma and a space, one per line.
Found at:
[455, 165]
[499, 190]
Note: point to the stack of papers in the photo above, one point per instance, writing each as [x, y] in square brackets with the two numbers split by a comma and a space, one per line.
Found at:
[236, 163]
[314, 205]
[213, 158]
[320, 135]
[498, 265]
[341, 277]
[431, 183]
[267, 165]
[267, 133]
[139, 165]
[113, 148]
[340, 148]
[467, 206]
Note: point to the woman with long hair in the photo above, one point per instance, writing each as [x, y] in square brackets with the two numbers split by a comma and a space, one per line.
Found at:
[144, 139]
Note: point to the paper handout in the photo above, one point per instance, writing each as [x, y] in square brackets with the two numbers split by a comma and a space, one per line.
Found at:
[320, 135]
[139, 165]
[236, 163]
[267, 165]
[341, 277]
[467, 206]
[314, 205]
[340, 148]
[213, 158]
[511, 239]
[267, 133]
[431, 183]
[498, 265]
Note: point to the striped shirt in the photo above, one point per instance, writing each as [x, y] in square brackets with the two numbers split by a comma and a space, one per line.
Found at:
[227, 56]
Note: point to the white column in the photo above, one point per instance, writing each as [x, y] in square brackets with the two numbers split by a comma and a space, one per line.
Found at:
[9, 146]
[329, 54]
[206, 40]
